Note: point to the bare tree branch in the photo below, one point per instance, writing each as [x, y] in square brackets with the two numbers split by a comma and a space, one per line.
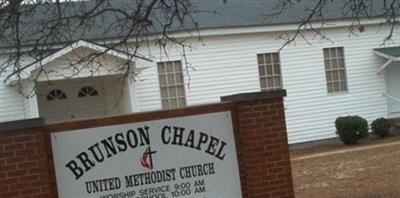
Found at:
[64, 22]
[355, 10]
[34, 29]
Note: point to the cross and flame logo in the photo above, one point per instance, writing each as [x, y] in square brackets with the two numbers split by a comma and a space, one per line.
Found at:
[146, 160]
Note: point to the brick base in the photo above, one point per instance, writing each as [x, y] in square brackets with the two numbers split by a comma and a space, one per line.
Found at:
[24, 170]
[26, 165]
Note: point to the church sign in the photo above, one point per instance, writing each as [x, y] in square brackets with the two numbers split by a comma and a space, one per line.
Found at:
[192, 156]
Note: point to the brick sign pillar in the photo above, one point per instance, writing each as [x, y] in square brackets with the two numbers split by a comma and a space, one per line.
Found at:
[24, 163]
[262, 145]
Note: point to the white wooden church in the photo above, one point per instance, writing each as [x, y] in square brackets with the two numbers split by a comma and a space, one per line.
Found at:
[349, 74]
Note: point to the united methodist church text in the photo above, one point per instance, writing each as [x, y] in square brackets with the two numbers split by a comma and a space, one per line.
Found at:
[139, 140]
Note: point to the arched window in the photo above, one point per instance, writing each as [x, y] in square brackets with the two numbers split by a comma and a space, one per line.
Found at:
[87, 91]
[56, 94]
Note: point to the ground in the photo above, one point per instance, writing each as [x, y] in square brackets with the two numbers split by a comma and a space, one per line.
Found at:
[370, 169]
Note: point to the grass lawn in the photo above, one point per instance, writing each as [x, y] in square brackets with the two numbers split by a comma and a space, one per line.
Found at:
[370, 169]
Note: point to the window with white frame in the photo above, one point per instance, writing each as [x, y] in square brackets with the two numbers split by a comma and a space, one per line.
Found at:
[335, 70]
[270, 71]
[171, 84]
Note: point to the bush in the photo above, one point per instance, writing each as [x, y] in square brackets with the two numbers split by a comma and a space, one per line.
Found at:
[351, 128]
[381, 127]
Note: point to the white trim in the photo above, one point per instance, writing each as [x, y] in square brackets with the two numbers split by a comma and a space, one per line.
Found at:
[383, 55]
[132, 95]
[137, 62]
[381, 68]
[219, 31]
[390, 60]
[391, 97]
[34, 106]
[76, 45]
[275, 28]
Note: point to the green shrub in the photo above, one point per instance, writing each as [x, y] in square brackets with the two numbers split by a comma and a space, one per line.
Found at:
[351, 128]
[381, 127]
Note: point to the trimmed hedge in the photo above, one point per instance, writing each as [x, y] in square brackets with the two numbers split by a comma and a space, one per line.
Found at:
[381, 127]
[351, 128]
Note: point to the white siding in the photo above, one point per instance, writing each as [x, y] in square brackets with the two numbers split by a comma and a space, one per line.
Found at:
[147, 91]
[228, 64]
[12, 104]
[16, 99]
[310, 110]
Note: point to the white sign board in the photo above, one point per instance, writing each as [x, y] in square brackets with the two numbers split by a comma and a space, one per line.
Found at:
[192, 156]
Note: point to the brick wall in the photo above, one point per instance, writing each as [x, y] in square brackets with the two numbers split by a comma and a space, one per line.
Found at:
[263, 150]
[24, 170]
[26, 166]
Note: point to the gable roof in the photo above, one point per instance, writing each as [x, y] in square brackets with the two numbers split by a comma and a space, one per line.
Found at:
[82, 43]
[207, 14]
[393, 52]
[137, 61]
[239, 13]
